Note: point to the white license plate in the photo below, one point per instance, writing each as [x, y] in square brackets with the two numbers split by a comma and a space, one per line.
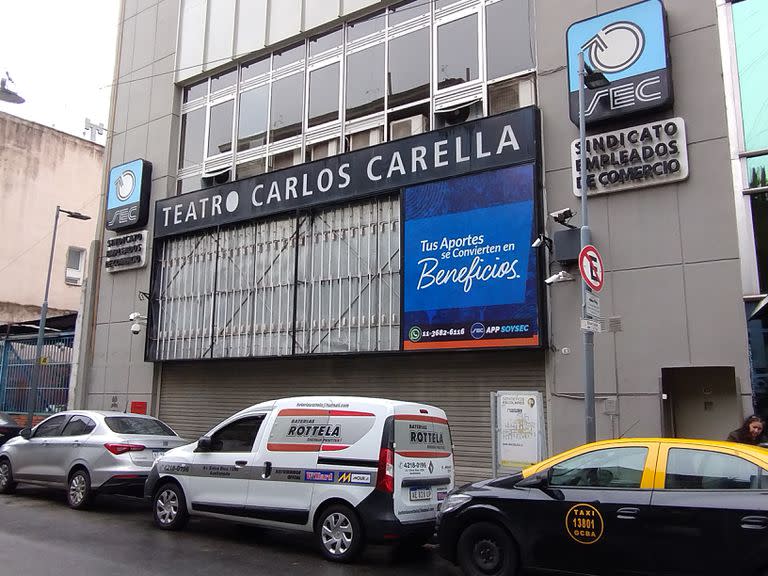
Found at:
[158, 453]
[421, 494]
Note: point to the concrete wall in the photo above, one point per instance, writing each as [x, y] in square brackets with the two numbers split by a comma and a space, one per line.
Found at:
[39, 168]
[671, 252]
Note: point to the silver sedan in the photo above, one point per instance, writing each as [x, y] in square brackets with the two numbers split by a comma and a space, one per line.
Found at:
[87, 452]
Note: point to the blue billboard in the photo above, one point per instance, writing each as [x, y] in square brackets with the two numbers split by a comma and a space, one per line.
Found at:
[128, 195]
[470, 275]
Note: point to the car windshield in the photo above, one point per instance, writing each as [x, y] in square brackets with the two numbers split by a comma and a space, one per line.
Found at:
[6, 420]
[132, 425]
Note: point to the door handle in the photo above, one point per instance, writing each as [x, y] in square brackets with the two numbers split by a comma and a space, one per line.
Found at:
[240, 463]
[267, 470]
[627, 513]
[754, 522]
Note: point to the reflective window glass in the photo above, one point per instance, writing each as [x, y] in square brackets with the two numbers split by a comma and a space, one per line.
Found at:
[286, 109]
[288, 56]
[220, 131]
[365, 82]
[187, 185]
[750, 19]
[192, 138]
[508, 37]
[759, 204]
[326, 42]
[443, 3]
[252, 124]
[407, 11]
[50, 427]
[704, 470]
[237, 437]
[224, 80]
[365, 27]
[324, 94]
[196, 91]
[78, 426]
[255, 68]
[136, 425]
[608, 468]
[408, 77]
[457, 61]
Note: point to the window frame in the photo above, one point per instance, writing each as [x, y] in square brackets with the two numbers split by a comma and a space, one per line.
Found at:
[64, 420]
[661, 474]
[640, 486]
[261, 417]
[90, 426]
[78, 274]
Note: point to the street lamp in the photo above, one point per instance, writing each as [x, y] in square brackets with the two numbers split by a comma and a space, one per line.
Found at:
[44, 313]
[8, 95]
[591, 79]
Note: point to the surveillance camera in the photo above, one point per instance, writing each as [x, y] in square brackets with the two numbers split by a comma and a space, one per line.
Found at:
[563, 215]
[561, 276]
[538, 241]
[134, 316]
[136, 328]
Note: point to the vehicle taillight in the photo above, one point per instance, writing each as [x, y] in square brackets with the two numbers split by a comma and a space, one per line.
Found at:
[385, 479]
[117, 449]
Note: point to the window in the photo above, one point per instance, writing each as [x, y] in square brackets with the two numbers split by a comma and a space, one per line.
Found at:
[324, 94]
[287, 107]
[223, 80]
[50, 427]
[238, 436]
[510, 94]
[78, 426]
[196, 91]
[252, 168]
[609, 468]
[254, 69]
[326, 42]
[408, 75]
[288, 56]
[135, 425]
[689, 469]
[252, 124]
[365, 82]
[407, 11]
[220, 130]
[192, 138]
[365, 27]
[457, 62]
[75, 270]
[509, 47]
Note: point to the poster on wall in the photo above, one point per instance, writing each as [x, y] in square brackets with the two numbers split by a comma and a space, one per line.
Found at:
[519, 424]
[469, 273]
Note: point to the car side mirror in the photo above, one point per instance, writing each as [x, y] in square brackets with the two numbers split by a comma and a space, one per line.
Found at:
[204, 444]
[539, 480]
[26, 433]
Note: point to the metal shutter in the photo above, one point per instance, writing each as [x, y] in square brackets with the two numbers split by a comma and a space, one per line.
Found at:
[196, 396]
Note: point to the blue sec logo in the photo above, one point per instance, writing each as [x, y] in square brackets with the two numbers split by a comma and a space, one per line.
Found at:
[629, 46]
[477, 331]
[128, 195]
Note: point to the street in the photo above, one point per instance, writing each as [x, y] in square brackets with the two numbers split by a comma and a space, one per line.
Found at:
[41, 536]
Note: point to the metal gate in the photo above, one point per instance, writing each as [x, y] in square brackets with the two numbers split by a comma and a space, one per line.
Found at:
[17, 370]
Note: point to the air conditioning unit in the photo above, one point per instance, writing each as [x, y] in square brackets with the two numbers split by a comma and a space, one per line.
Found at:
[324, 149]
[216, 177]
[408, 127]
[365, 138]
[458, 114]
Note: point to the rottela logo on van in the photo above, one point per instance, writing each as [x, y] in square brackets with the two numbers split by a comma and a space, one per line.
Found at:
[584, 523]
[427, 437]
[629, 46]
[311, 431]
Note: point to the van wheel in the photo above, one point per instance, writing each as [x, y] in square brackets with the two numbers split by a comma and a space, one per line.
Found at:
[7, 485]
[485, 549]
[79, 493]
[169, 507]
[339, 534]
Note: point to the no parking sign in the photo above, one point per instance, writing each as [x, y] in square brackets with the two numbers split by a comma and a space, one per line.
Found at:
[591, 267]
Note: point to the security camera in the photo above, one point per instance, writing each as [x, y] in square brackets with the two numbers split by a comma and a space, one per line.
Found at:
[134, 317]
[562, 216]
[136, 328]
[538, 242]
[561, 276]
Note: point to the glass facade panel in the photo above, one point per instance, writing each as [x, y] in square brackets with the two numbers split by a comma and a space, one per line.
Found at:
[365, 27]
[192, 138]
[408, 75]
[288, 56]
[750, 19]
[324, 94]
[223, 80]
[220, 130]
[287, 107]
[457, 62]
[508, 38]
[759, 204]
[321, 44]
[365, 82]
[253, 69]
[196, 91]
[407, 11]
[252, 123]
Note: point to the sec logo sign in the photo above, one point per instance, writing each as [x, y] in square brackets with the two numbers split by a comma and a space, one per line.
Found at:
[591, 267]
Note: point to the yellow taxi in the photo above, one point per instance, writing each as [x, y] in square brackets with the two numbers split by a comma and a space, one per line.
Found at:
[628, 506]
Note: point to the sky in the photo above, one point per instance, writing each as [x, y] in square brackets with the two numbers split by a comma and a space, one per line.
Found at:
[61, 56]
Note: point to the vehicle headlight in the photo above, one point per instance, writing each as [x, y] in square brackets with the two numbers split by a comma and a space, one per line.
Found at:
[454, 501]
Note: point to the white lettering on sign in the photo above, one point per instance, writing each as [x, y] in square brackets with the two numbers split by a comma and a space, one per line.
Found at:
[636, 157]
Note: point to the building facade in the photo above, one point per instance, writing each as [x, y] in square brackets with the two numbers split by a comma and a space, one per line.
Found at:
[345, 198]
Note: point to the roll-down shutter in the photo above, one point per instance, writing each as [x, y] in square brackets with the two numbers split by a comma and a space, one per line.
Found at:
[196, 396]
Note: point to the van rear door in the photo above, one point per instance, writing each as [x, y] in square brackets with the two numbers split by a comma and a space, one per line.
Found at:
[423, 463]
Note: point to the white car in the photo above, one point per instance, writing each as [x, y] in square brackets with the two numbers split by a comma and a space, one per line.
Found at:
[352, 470]
[87, 452]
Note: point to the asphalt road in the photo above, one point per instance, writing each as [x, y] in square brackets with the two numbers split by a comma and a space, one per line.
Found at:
[41, 536]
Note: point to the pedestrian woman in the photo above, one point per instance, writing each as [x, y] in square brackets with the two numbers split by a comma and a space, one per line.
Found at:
[751, 432]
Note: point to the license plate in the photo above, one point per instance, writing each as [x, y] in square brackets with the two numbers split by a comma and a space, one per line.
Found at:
[421, 494]
[158, 453]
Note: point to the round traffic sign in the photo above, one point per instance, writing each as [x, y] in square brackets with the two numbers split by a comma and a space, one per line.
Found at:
[591, 267]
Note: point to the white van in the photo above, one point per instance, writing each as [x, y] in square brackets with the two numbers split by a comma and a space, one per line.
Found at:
[351, 470]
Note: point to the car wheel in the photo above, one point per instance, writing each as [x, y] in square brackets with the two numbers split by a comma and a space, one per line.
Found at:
[339, 534]
[7, 485]
[485, 549]
[79, 493]
[169, 507]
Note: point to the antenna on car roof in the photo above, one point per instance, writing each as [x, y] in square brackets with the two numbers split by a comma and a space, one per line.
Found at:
[630, 428]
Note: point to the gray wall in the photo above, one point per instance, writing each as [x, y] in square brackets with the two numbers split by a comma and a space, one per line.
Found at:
[670, 252]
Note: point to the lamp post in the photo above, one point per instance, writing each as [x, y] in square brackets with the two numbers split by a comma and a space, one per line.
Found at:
[43, 314]
[592, 79]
